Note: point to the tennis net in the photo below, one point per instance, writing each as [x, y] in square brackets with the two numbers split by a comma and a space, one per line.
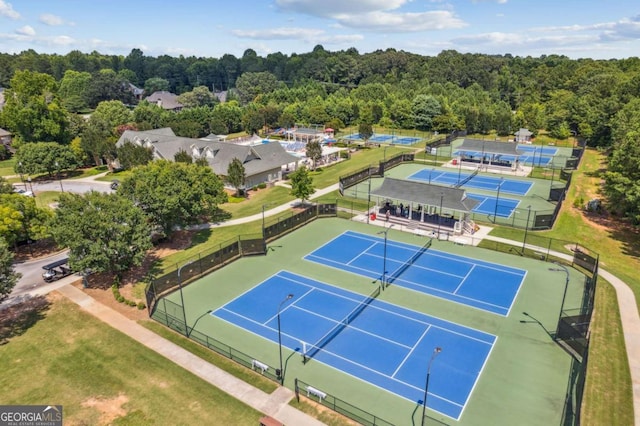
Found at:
[324, 340]
[409, 262]
[467, 179]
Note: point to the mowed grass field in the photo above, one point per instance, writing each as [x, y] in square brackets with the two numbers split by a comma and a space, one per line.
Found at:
[100, 376]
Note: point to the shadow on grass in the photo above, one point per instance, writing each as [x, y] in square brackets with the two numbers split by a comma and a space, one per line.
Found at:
[19, 317]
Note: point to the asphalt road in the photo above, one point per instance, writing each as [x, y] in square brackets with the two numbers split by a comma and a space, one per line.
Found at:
[71, 185]
[31, 281]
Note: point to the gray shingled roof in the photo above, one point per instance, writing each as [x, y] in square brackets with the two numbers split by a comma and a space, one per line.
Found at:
[165, 100]
[489, 147]
[425, 194]
[256, 158]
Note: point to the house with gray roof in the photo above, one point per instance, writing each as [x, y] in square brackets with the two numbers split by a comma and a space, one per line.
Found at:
[263, 162]
[165, 100]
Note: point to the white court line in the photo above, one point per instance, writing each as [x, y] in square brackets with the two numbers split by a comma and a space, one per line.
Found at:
[463, 280]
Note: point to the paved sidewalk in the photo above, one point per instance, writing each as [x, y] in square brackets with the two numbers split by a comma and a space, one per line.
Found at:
[628, 314]
[274, 404]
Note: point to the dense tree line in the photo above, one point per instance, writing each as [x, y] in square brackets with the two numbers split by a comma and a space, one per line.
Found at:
[592, 99]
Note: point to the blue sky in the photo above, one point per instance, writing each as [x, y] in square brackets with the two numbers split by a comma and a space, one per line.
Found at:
[599, 29]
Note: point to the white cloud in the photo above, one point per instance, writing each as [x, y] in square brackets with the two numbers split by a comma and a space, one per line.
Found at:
[375, 15]
[308, 35]
[403, 22]
[52, 20]
[27, 30]
[7, 10]
[282, 33]
[331, 8]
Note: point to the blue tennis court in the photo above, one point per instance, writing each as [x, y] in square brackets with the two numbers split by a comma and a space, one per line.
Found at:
[381, 137]
[377, 342]
[501, 207]
[489, 183]
[540, 150]
[488, 286]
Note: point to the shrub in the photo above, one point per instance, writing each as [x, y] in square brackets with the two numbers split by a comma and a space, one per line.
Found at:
[141, 305]
[132, 303]
[120, 299]
[578, 202]
[262, 185]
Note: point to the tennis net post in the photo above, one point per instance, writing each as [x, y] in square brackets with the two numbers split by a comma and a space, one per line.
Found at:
[409, 262]
[348, 319]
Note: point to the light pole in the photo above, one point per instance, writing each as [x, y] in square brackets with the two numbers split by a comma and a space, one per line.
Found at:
[561, 268]
[59, 178]
[196, 322]
[184, 310]
[495, 212]
[526, 228]
[384, 159]
[30, 186]
[384, 256]
[280, 373]
[440, 214]
[435, 353]
[21, 175]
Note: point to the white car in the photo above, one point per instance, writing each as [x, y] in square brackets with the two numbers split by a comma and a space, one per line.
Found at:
[24, 192]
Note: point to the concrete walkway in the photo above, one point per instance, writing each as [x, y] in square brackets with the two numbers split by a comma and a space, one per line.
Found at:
[274, 404]
[628, 314]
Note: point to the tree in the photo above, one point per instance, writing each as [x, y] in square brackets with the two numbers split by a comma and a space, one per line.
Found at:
[301, 184]
[236, 175]
[99, 140]
[314, 152]
[183, 156]
[106, 85]
[114, 113]
[8, 276]
[33, 111]
[45, 157]
[73, 90]
[425, 108]
[174, 194]
[80, 225]
[21, 219]
[251, 84]
[5, 186]
[365, 131]
[131, 155]
[156, 84]
[199, 96]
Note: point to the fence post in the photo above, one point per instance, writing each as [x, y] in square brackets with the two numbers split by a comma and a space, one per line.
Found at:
[297, 389]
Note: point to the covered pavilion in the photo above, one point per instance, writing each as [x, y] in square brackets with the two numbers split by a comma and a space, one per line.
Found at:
[424, 203]
[489, 153]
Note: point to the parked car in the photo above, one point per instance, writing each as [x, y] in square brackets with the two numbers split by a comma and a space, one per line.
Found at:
[23, 192]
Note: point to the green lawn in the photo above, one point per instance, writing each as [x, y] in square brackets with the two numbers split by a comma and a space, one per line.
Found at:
[6, 167]
[101, 376]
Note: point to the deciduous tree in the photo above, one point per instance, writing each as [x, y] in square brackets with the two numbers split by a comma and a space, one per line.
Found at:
[236, 175]
[45, 157]
[131, 155]
[81, 225]
[8, 276]
[174, 194]
[301, 184]
[314, 152]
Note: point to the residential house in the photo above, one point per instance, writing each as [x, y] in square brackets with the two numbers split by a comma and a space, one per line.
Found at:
[263, 162]
[165, 100]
